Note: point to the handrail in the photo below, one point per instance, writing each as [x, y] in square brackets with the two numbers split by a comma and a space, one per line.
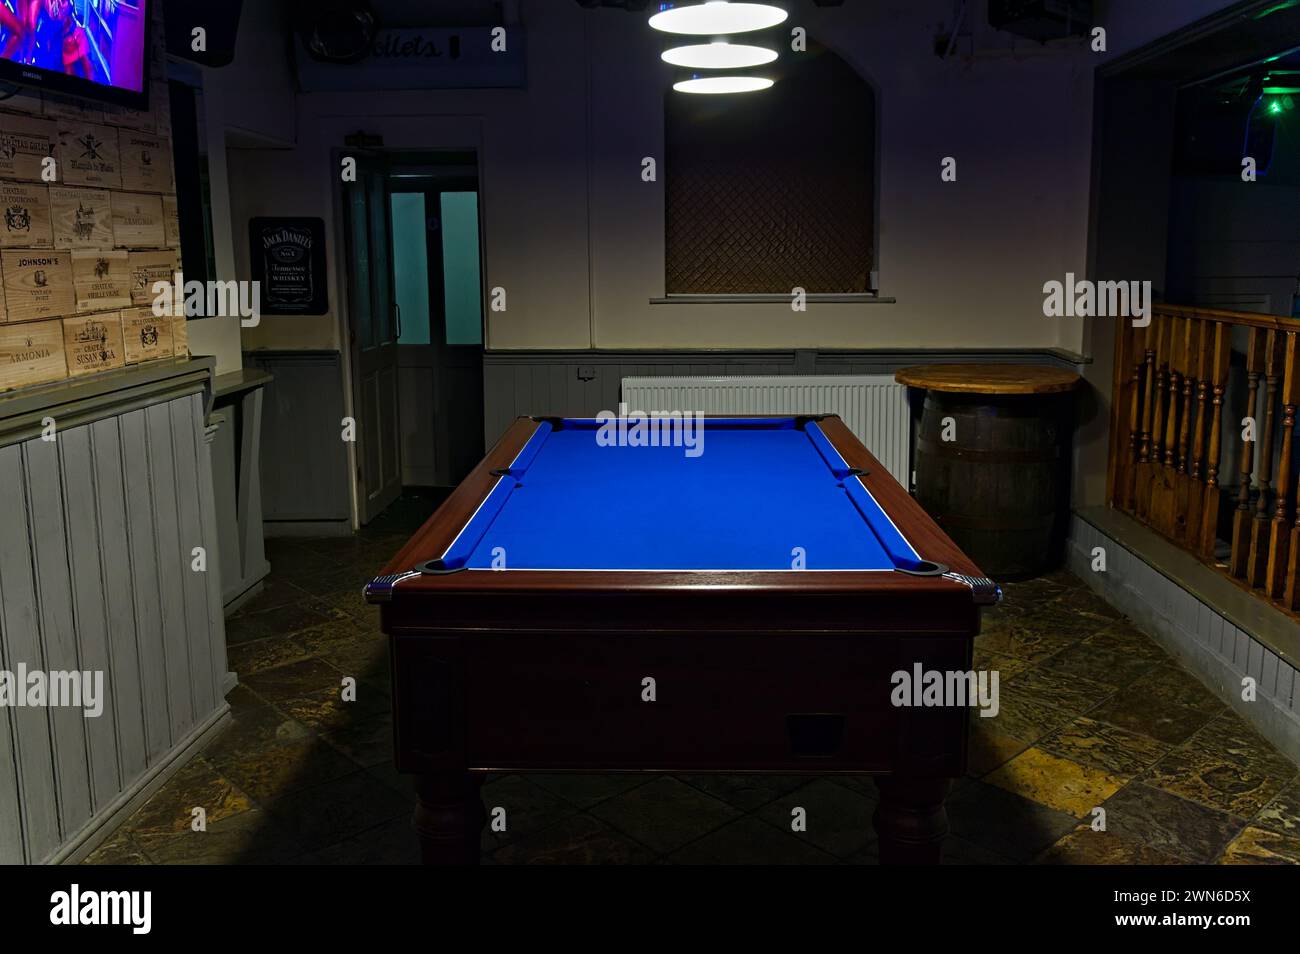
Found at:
[1251, 318]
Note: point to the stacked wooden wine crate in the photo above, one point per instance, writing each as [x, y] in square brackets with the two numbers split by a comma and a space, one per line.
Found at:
[84, 238]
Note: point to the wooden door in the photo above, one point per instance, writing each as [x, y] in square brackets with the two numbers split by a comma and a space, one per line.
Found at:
[373, 328]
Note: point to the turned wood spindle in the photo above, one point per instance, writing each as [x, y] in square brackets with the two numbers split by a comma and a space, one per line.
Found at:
[1216, 423]
[1291, 583]
[1158, 513]
[1171, 414]
[1134, 427]
[1182, 480]
[1258, 563]
[1162, 407]
[1142, 482]
[1239, 559]
[1219, 381]
[1148, 407]
[1248, 445]
[1165, 514]
[1150, 452]
[1278, 536]
[1184, 433]
[1196, 487]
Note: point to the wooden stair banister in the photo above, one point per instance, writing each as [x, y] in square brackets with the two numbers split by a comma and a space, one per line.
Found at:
[1170, 401]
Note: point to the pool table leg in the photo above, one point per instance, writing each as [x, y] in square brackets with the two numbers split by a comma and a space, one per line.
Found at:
[910, 820]
[449, 817]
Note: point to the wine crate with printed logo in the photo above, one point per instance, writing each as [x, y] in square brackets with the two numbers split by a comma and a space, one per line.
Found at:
[82, 218]
[23, 101]
[37, 283]
[146, 162]
[31, 353]
[101, 279]
[137, 220]
[148, 268]
[88, 155]
[126, 118]
[26, 210]
[89, 223]
[25, 143]
[71, 109]
[171, 221]
[93, 343]
[146, 336]
[180, 336]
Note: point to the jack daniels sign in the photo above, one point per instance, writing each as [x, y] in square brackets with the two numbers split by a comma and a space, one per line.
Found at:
[288, 260]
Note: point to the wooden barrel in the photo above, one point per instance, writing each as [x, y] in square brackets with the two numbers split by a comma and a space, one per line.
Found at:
[997, 485]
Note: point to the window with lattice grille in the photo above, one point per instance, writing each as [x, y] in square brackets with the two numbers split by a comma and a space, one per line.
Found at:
[774, 190]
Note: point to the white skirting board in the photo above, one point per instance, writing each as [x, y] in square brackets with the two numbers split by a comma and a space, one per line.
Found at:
[873, 407]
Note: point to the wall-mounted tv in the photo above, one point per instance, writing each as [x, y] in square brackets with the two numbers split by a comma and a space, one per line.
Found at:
[93, 48]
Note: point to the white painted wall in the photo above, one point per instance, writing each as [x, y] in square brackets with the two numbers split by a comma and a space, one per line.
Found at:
[575, 237]
[250, 99]
[1017, 124]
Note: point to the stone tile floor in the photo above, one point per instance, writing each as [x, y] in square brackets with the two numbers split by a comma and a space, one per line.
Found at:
[1092, 713]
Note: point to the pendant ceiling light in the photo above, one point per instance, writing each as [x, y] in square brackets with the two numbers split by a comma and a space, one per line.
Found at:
[718, 18]
[722, 84]
[718, 56]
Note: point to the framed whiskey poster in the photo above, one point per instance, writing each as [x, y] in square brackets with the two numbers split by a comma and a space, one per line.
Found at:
[288, 260]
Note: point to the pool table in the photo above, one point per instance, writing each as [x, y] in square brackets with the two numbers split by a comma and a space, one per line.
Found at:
[594, 598]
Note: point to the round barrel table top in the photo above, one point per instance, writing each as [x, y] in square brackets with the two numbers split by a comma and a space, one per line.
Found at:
[988, 378]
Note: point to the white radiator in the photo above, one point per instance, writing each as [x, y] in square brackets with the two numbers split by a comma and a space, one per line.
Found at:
[874, 407]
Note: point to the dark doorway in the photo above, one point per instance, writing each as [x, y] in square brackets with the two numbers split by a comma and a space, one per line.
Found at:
[434, 208]
[415, 278]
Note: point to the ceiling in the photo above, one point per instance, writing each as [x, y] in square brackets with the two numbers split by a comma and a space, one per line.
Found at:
[441, 13]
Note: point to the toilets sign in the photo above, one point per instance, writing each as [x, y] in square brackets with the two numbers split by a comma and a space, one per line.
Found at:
[426, 58]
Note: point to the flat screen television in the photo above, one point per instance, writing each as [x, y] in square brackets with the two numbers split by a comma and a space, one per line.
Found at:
[98, 49]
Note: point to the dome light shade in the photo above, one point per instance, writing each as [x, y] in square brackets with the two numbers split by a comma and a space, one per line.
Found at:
[714, 85]
[718, 18]
[718, 56]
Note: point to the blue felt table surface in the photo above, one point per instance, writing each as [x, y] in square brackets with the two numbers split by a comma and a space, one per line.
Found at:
[755, 494]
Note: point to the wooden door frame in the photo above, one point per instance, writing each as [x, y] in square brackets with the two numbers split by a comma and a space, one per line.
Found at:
[352, 345]
[438, 347]
[407, 142]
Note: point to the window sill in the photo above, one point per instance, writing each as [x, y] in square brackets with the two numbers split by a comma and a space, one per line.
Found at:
[853, 298]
